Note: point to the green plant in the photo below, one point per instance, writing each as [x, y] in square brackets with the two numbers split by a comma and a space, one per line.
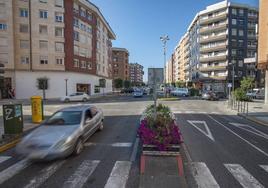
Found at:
[247, 83]
[127, 84]
[194, 92]
[180, 84]
[241, 95]
[118, 83]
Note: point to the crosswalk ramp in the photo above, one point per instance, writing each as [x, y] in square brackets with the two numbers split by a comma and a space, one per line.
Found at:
[118, 176]
[205, 179]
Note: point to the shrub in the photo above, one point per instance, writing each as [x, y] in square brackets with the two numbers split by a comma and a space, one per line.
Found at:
[241, 95]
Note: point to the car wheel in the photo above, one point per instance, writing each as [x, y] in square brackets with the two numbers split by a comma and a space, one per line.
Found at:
[84, 99]
[66, 100]
[79, 147]
[101, 126]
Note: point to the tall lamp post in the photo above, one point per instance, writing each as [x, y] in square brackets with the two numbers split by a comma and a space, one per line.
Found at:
[66, 86]
[164, 40]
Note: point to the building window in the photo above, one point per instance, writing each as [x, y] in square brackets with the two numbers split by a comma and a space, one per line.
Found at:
[75, 8]
[59, 46]
[233, 21]
[234, 32]
[240, 63]
[83, 27]
[58, 17]
[233, 51]
[89, 65]
[89, 29]
[59, 3]
[24, 60]
[43, 29]
[23, 12]
[89, 16]
[241, 32]
[241, 22]
[43, 44]
[76, 36]
[76, 22]
[24, 44]
[43, 60]
[240, 43]
[76, 50]
[83, 64]
[43, 14]
[43, 1]
[59, 61]
[83, 12]
[3, 26]
[240, 73]
[76, 63]
[23, 28]
[241, 12]
[234, 11]
[59, 31]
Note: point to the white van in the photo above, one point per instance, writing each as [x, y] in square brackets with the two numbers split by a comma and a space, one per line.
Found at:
[259, 93]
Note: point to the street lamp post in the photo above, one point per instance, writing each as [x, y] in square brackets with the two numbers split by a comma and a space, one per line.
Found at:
[164, 39]
[66, 86]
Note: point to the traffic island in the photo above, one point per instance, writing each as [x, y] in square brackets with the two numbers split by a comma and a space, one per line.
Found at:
[160, 162]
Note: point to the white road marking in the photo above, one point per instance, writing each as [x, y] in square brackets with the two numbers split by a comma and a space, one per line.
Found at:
[265, 167]
[135, 150]
[116, 144]
[263, 152]
[119, 175]
[189, 112]
[203, 176]
[13, 170]
[44, 175]
[4, 158]
[243, 176]
[250, 129]
[81, 175]
[206, 133]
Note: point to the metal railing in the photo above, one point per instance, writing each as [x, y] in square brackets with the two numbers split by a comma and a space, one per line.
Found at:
[239, 106]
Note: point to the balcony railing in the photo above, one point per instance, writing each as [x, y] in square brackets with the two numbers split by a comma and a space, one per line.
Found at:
[213, 38]
[211, 19]
[211, 68]
[218, 27]
[221, 46]
[213, 58]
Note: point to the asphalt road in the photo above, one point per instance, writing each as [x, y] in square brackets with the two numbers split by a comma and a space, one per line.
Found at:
[225, 151]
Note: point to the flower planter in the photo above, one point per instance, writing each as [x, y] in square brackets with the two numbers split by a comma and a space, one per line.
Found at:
[171, 150]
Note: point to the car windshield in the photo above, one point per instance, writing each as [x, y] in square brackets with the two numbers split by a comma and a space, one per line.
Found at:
[65, 118]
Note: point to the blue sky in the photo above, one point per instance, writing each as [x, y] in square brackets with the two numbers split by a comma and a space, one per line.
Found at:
[138, 25]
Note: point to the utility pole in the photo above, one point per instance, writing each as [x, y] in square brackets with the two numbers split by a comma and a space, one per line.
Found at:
[164, 39]
[66, 86]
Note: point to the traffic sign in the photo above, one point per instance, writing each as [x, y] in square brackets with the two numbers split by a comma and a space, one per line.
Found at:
[229, 84]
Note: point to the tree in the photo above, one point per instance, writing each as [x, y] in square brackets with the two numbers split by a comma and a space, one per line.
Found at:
[126, 84]
[42, 84]
[180, 84]
[118, 83]
[247, 83]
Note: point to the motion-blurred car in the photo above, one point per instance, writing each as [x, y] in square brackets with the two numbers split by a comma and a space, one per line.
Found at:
[63, 134]
[78, 96]
[180, 92]
[209, 95]
[137, 93]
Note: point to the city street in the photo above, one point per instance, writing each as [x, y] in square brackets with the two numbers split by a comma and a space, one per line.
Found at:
[221, 149]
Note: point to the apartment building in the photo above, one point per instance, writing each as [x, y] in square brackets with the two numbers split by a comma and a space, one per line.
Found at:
[62, 40]
[120, 63]
[136, 73]
[222, 39]
[169, 70]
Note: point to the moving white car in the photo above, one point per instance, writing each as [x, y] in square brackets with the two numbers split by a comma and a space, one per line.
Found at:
[180, 92]
[78, 96]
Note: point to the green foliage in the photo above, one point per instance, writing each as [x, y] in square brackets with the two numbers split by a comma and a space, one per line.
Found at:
[247, 83]
[240, 95]
[180, 84]
[194, 92]
[173, 84]
[127, 84]
[190, 84]
[118, 83]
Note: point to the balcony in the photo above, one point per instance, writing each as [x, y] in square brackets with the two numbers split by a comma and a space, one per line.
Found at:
[218, 27]
[213, 38]
[212, 68]
[252, 26]
[252, 46]
[207, 20]
[220, 78]
[221, 57]
[252, 36]
[252, 16]
[213, 48]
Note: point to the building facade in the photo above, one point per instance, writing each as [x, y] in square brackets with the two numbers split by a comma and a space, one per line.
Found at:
[222, 39]
[120, 63]
[136, 73]
[62, 40]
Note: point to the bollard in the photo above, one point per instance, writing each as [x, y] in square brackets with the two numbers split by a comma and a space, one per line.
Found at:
[247, 108]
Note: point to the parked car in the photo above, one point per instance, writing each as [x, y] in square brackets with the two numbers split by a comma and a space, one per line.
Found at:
[251, 94]
[220, 94]
[62, 134]
[137, 93]
[209, 95]
[180, 92]
[78, 96]
[127, 90]
[257, 93]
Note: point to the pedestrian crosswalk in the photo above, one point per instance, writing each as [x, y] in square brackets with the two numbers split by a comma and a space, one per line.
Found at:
[118, 177]
[205, 179]
[194, 112]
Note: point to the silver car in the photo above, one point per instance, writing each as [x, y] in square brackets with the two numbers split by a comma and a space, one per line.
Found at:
[62, 134]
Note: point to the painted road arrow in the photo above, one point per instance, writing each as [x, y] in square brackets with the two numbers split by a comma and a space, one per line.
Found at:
[197, 125]
[250, 129]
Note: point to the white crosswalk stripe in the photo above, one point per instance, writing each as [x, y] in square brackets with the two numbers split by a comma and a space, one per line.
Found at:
[203, 176]
[119, 175]
[82, 174]
[243, 176]
[4, 158]
[13, 170]
[44, 175]
[265, 167]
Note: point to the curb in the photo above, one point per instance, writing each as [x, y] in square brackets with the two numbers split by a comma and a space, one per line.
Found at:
[252, 119]
[9, 145]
